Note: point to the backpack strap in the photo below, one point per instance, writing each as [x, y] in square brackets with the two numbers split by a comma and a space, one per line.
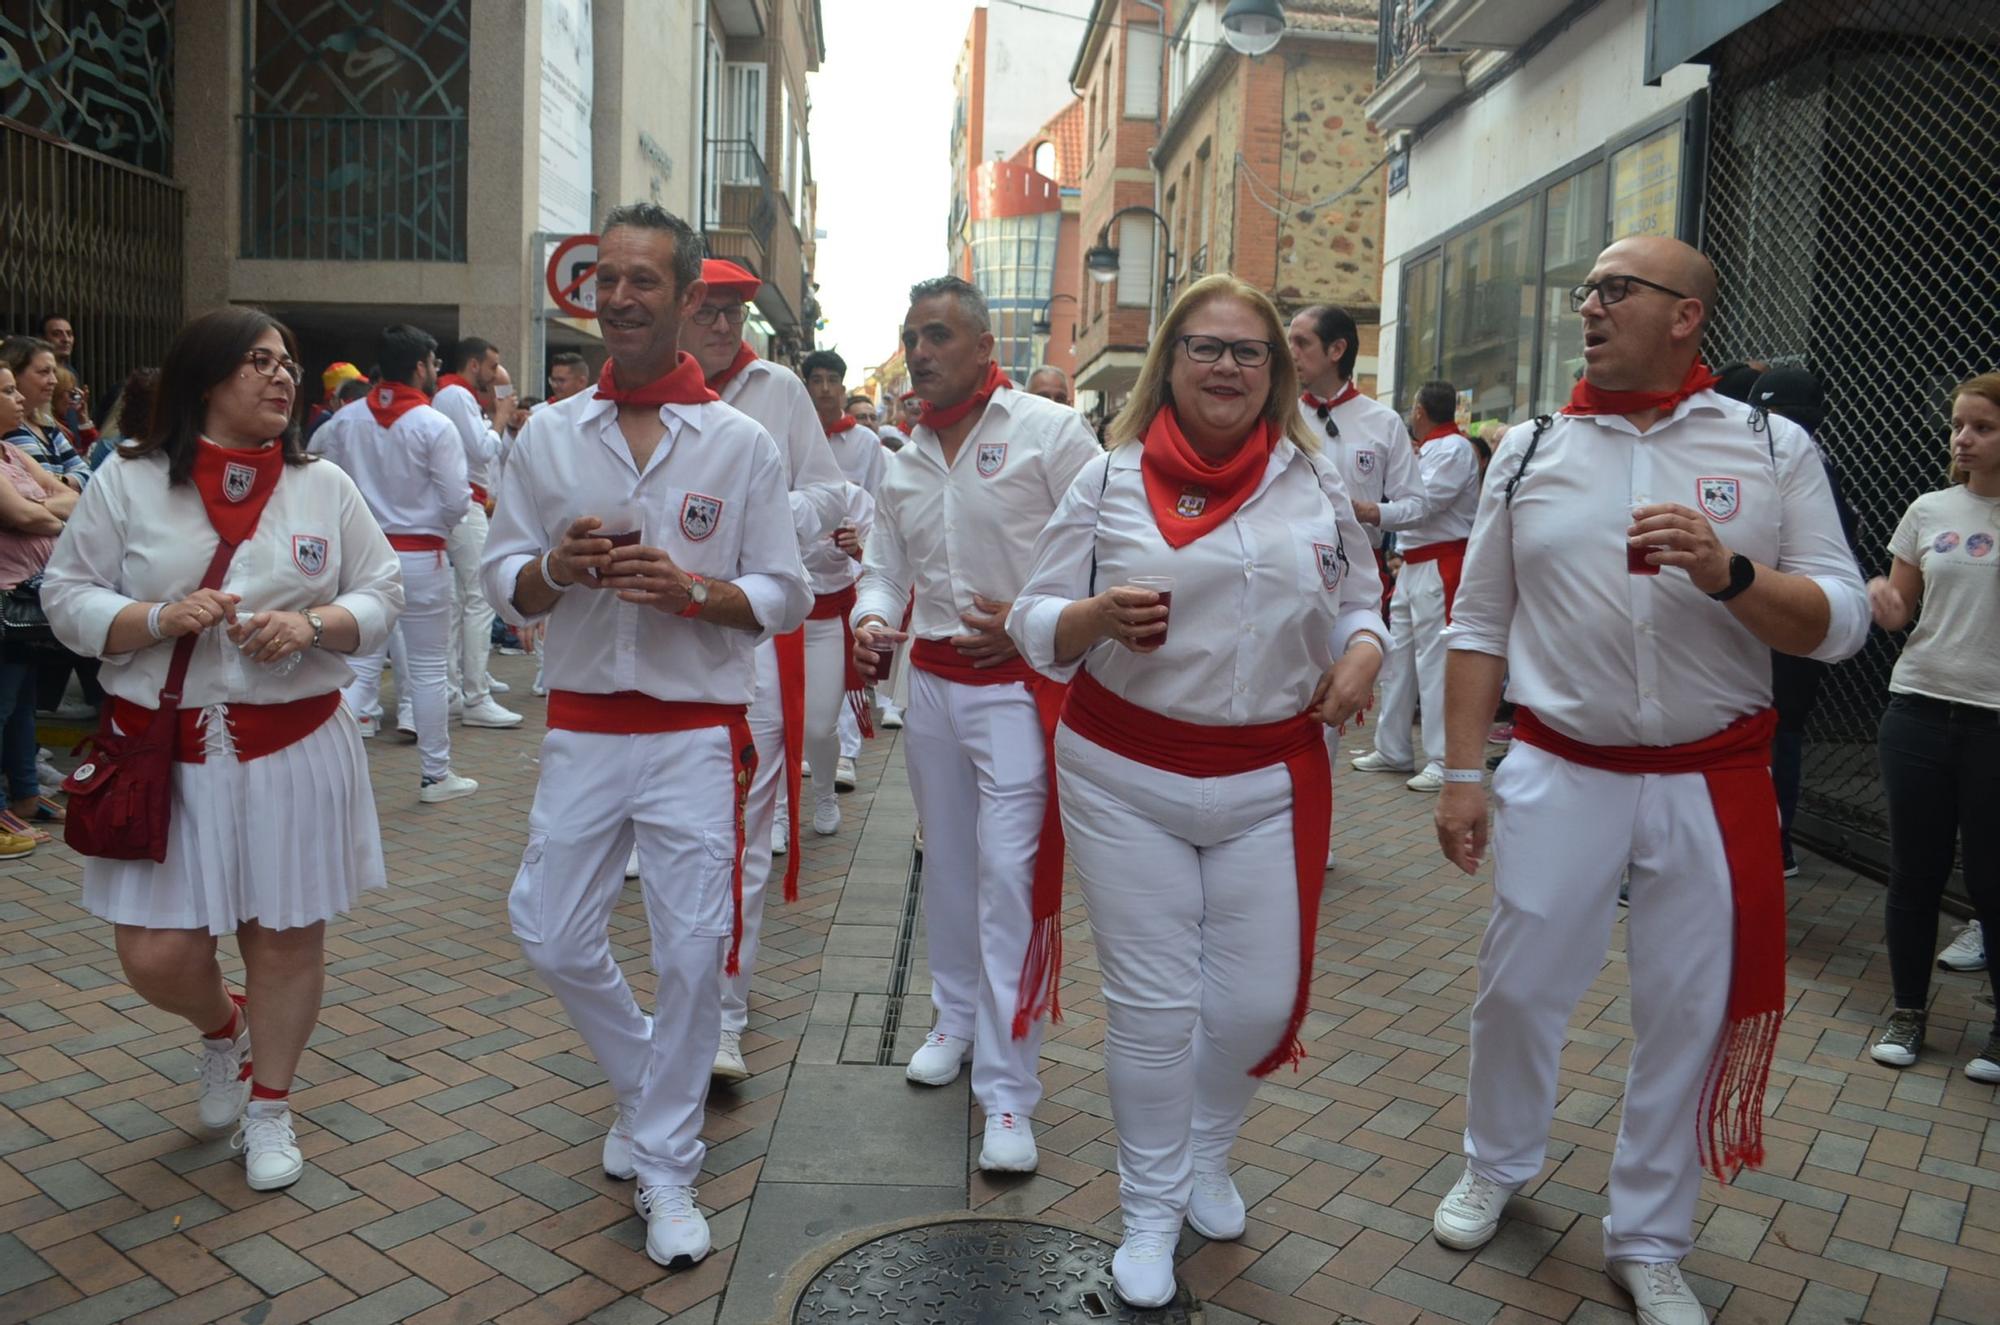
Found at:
[1542, 424]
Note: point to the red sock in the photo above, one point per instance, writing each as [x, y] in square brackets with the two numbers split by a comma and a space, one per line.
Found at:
[260, 1091]
[231, 1027]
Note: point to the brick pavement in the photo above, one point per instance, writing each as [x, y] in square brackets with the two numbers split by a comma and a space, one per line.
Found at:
[452, 1119]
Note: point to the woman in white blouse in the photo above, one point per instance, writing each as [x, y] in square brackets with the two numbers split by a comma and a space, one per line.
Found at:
[273, 828]
[1193, 781]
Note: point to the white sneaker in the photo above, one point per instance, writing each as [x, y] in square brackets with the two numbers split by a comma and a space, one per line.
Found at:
[826, 817]
[632, 864]
[805, 768]
[843, 775]
[891, 717]
[938, 1061]
[1215, 1207]
[495, 686]
[455, 709]
[729, 1064]
[1375, 763]
[369, 727]
[271, 1156]
[225, 1078]
[540, 687]
[1469, 1214]
[1967, 952]
[406, 721]
[1431, 779]
[1142, 1270]
[618, 1146]
[487, 713]
[1009, 1146]
[676, 1233]
[1659, 1295]
[450, 787]
[781, 835]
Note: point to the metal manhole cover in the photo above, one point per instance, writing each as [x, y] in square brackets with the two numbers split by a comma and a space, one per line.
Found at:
[977, 1272]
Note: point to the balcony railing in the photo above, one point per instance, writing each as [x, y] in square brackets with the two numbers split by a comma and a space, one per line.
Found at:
[354, 188]
[1400, 32]
[748, 199]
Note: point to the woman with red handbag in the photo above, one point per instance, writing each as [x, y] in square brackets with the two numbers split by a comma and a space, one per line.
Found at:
[222, 577]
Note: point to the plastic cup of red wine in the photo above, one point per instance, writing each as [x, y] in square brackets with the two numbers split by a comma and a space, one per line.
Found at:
[1163, 585]
[621, 525]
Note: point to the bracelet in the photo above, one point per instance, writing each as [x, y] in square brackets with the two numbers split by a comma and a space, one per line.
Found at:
[153, 621]
[1465, 775]
[542, 564]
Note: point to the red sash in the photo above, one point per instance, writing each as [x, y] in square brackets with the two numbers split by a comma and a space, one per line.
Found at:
[432, 543]
[630, 713]
[826, 607]
[1041, 970]
[1450, 557]
[1736, 763]
[255, 730]
[1201, 750]
[480, 495]
[792, 711]
[1388, 584]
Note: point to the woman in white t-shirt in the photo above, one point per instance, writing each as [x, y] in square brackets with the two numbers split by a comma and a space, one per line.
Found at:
[1940, 738]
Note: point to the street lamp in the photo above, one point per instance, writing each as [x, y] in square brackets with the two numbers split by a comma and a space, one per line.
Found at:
[1042, 325]
[1102, 259]
[1253, 27]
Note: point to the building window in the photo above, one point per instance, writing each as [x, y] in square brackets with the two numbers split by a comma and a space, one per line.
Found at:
[1572, 235]
[1143, 50]
[1199, 38]
[1135, 262]
[1014, 264]
[1420, 327]
[1045, 161]
[1489, 314]
[1646, 185]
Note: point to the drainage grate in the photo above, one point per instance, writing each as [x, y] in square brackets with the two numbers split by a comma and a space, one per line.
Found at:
[978, 1272]
[899, 968]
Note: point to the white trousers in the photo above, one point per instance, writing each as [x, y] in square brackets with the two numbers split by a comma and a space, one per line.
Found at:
[826, 702]
[1194, 908]
[1563, 836]
[767, 729]
[417, 648]
[980, 781]
[472, 622]
[850, 730]
[1414, 668]
[673, 793]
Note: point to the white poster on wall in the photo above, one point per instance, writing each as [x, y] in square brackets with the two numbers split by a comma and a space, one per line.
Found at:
[566, 94]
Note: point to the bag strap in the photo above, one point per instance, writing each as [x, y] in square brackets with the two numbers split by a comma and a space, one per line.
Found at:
[1102, 484]
[170, 694]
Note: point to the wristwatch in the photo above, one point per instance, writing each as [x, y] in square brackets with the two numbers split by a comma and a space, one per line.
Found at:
[697, 596]
[1742, 571]
[319, 626]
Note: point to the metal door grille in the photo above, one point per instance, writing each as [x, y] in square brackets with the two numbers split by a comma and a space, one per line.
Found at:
[1851, 209]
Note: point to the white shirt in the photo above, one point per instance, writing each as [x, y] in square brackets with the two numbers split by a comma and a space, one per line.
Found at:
[1446, 498]
[1373, 453]
[1613, 658]
[482, 444]
[952, 531]
[774, 396]
[134, 539]
[1263, 603]
[828, 568]
[860, 456]
[411, 474]
[714, 497]
[1950, 537]
[892, 438]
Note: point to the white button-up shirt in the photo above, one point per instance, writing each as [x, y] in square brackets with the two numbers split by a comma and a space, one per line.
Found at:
[861, 457]
[1446, 499]
[714, 497]
[1373, 453]
[135, 539]
[482, 444]
[774, 396]
[1263, 603]
[830, 569]
[1612, 658]
[411, 474]
[952, 531]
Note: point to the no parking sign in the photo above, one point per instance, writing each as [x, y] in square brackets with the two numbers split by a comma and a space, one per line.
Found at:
[572, 276]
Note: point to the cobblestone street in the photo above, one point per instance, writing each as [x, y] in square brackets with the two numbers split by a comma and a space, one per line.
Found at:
[451, 1119]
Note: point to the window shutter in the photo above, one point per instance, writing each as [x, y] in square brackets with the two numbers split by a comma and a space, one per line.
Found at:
[1135, 262]
[1143, 48]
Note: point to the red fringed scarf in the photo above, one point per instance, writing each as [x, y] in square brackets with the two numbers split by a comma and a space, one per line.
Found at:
[745, 356]
[1190, 496]
[681, 385]
[389, 401]
[235, 486]
[1587, 399]
[937, 418]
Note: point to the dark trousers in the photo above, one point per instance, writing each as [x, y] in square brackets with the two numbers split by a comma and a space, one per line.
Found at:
[17, 730]
[1941, 771]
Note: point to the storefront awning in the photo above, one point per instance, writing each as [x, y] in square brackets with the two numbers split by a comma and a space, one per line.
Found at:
[1679, 30]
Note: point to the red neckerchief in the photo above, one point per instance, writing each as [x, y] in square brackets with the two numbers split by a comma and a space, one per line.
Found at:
[235, 485]
[1587, 399]
[453, 379]
[1443, 430]
[389, 401]
[1345, 394]
[845, 422]
[937, 419]
[745, 356]
[1190, 496]
[682, 386]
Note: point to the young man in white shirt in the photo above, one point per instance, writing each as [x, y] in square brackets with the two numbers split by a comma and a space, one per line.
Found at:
[1634, 563]
[956, 520]
[683, 558]
[476, 371]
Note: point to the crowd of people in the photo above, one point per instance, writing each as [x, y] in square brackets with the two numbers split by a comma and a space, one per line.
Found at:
[1134, 654]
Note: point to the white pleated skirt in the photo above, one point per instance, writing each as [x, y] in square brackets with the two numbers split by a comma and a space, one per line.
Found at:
[287, 840]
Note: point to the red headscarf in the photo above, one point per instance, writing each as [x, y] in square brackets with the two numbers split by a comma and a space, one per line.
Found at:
[681, 386]
[1190, 496]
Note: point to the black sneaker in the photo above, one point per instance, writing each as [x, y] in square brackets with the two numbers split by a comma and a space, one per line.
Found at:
[1986, 1067]
[1901, 1039]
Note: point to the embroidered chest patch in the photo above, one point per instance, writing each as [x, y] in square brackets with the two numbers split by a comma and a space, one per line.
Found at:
[237, 480]
[699, 516]
[990, 457]
[1720, 498]
[309, 553]
[1364, 462]
[1193, 501]
[1331, 564]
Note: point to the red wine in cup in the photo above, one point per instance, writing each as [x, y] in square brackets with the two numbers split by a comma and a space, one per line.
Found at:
[1166, 601]
[624, 538]
[1635, 560]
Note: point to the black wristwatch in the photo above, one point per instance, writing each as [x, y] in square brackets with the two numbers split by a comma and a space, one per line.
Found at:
[1742, 571]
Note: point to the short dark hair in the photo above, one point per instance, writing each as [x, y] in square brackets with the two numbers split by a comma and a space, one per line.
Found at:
[352, 390]
[47, 318]
[1331, 324]
[823, 359]
[470, 348]
[569, 359]
[965, 292]
[401, 348]
[205, 352]
[688, 248]
[1439, 401]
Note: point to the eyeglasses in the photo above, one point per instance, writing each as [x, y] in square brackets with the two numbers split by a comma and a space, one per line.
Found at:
[733, 314]
[1325, 413]
[1613, 289]
[1209, 349]
[268, 364]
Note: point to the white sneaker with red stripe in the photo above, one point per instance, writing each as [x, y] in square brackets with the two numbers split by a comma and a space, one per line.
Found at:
[1009, 1146]
[225, 1077]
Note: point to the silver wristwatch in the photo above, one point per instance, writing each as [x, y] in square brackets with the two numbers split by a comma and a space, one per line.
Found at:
[318, 625]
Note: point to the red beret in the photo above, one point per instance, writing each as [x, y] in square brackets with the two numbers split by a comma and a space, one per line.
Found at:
[726, 278]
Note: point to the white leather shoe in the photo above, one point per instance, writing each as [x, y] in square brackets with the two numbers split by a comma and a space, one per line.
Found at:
[618, 1147]
[487, 713]
[826, 817]
[1009, 1146]
[271, 1156]
[1469, 1214]
[938, 1061]
[1215, 1207]
[1429, 779]
[1142, 1270]
[447, 788]
[676, 1232]
[1659, 1295]
[843, 775]
[225, 1078]
[369, 727]
[1375, 763]
[632, 864]
[495, 685]
[729, 1064]
[892, 717]
[781, 835]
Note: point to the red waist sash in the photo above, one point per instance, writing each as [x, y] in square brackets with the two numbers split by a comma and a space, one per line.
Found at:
[417, 542]
[480, 495]
[255, 730]
[1201, 750]
[1736, 763]
[1450, 557]
[630, 713]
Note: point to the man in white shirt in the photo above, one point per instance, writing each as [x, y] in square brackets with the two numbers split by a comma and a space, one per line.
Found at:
[1050, 383]
[569, 373]
[1431, 525]
[409, 463]
[648, 524]
[476, 372]
[957, 516]
[1634, 563]
[774, 396]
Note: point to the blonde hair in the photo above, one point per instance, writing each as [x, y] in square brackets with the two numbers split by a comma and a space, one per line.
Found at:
[1152, 392]
[1987, 387]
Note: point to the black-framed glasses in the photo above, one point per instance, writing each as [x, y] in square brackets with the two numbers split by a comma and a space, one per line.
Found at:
[1210, 349]
[1325, 412]
[733, 314]
[268, 364]
[1613, 289]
